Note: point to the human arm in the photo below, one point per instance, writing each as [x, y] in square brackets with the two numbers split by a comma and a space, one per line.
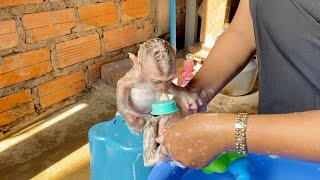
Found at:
[188, 102]
[228, 57]
[199, 138]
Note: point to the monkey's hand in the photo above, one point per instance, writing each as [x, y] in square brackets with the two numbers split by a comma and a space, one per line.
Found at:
[134, 120]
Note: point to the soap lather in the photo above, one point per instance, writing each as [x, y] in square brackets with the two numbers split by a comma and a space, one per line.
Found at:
[163, 110]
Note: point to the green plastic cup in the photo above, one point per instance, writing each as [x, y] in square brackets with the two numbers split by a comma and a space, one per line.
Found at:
[164, 107]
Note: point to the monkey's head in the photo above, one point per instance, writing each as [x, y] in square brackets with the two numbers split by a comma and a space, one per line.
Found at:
[157, 62]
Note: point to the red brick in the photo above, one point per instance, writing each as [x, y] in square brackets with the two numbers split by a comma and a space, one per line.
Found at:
[19, 61]
[78, 50]
[95, 69]
[16, 113]
[8, 34]
[97, 15]
[15, 106]
[7, 26]
[60, 83]
[46, 25]
[61, 88]
[120, 37]
[132, 9]
[4, 3]
[112, 72]
[15, 100]
[24, 66]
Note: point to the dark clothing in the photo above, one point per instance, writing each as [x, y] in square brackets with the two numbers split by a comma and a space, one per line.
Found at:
[287, 36]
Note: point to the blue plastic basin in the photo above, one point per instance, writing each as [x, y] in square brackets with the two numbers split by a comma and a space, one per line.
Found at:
[264, 168]
[116, 154]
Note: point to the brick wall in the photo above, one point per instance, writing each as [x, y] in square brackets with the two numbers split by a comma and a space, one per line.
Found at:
[51, 51]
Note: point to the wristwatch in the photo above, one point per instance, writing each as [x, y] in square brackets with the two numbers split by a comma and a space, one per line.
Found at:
[240, 137]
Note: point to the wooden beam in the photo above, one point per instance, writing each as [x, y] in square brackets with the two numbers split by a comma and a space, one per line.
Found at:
[213, 16]
[191, 22]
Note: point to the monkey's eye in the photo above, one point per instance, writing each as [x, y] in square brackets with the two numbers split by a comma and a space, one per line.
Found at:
[156, 82]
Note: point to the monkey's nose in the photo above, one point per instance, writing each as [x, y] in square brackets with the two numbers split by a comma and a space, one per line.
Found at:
[164, 88]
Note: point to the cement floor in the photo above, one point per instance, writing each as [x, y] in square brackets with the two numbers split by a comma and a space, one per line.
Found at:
[57, 147]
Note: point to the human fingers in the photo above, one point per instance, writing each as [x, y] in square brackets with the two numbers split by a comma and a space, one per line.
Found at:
[199, 102]
[164, 155]
[159, 139]
[183, 107]
[193, 104]
[186, 108]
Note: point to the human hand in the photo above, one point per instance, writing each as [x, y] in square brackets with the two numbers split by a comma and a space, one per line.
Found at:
[197, 139]
[165, 122]
[189, 102]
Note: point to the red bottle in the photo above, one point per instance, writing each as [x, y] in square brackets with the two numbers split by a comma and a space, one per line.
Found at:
[187, 74]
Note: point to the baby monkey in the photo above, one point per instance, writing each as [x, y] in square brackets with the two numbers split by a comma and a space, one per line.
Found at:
[151, 75]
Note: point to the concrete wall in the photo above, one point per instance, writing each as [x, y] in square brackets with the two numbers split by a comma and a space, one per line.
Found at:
[163, 16]
[51, 51]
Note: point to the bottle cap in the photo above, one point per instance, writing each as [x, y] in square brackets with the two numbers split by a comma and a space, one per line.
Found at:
[164, 107]
[190, 57]
[188, 63]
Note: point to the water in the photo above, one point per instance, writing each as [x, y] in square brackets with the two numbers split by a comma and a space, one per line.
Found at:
[274, 156]
[176, 163]
[134, 166]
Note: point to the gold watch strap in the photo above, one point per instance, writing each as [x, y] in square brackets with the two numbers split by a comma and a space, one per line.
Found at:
[240, 127]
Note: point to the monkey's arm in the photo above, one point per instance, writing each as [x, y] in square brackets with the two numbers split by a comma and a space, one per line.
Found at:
[135, 120]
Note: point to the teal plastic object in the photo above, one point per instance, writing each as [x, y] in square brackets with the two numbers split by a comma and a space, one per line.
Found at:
[164, 107]
[115, 152]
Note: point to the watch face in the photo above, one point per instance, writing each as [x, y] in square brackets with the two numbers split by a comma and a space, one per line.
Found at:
[240, 125]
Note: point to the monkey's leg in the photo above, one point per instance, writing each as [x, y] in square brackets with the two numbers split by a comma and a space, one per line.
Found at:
[150, 151]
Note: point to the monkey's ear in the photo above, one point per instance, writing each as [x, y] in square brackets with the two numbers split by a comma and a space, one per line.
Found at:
[134, 59]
